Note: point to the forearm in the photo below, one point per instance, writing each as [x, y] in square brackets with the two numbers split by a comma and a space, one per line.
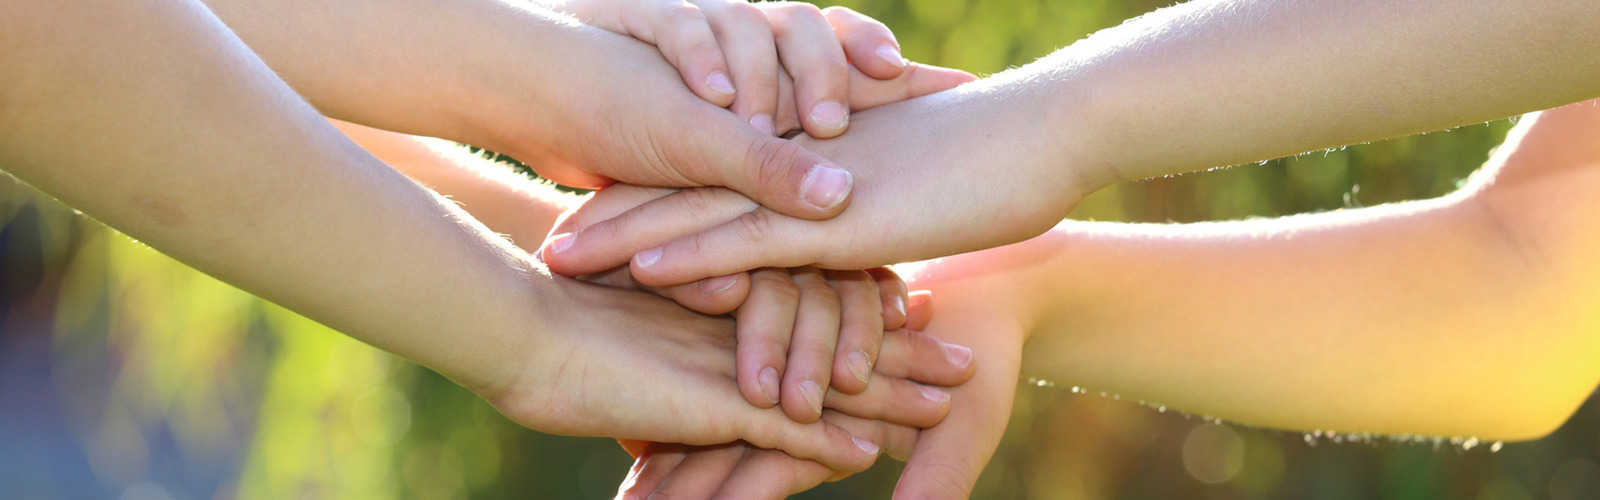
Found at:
[155, 120]
[1215, 83]
[519, 208]
[353, 59]
[1420, 318]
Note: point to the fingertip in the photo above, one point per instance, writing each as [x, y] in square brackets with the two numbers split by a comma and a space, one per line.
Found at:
[714, 87]
[769, 380]
[919, 309]
[852, 372]
[719, 82]
[826, 188]
[803, 402]
[894, 312]
[828, 118]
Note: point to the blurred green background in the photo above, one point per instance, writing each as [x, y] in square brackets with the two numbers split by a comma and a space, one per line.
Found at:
[126, 375]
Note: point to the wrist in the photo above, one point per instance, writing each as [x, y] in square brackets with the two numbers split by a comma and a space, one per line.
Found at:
[507, 375]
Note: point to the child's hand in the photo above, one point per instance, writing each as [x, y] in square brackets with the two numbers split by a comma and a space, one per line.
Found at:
[933, 179]
[639, 367]
[942, 462]
[742, 55]
[828, 324]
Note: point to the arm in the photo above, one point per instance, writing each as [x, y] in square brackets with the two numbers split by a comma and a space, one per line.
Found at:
[1414, 318]
[581, 105]
[504, 201]
[1204, 84]
[154, 119]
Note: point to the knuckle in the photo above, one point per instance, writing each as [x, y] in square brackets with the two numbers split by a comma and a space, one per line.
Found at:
[803, 8]
[697, 203]
[746, 14]
[771, 281]
[820, 290]
[754, 226]
[773, 160]
[683, 12]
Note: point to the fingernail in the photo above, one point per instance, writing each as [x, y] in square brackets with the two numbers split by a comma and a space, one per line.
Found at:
[899, 305]
[562, 242]
[891, 54]
[718, 284]
[830, 115]
[813, 395]
[935, 394]
[769, 383]
[860, 365]
[958, 355]
[826, 187]
[763, 123]
[719, 82]
[648, 258]
[865, 445]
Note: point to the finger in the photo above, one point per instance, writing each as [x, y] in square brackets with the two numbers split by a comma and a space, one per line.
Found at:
[763, 327]
[758, 238]
[605, 204]
[821, 441]
[860, 329]
[920, 357]
[651, 469]
[810, 53]
[767, 474]
[788, 117]
[716, 149]
[752, 55]
[714, 296]
[607, 242]
[919, 309]
[869, 44]
[811, 347]
[894, 400]
[916, 81]
[947, 459]
[895, 440]
[683, 34]
[699, 475]
[892, 293]
[771, 474]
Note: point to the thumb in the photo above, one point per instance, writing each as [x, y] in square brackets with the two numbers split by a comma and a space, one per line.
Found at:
[777, 173]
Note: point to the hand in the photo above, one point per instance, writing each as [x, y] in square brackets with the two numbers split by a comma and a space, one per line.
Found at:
[704, 38]
[623, 115]
[919, 196]
[807, 313]
[638, 367]
[944, 461]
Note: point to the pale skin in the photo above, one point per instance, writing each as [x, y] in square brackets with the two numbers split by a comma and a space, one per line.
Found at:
[1467, 315]
[156, 120]
[1014, 153]
[516, 207]
[501, 74]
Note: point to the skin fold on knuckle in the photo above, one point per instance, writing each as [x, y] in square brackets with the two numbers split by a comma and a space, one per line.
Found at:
[754, 227]
[780, 166]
